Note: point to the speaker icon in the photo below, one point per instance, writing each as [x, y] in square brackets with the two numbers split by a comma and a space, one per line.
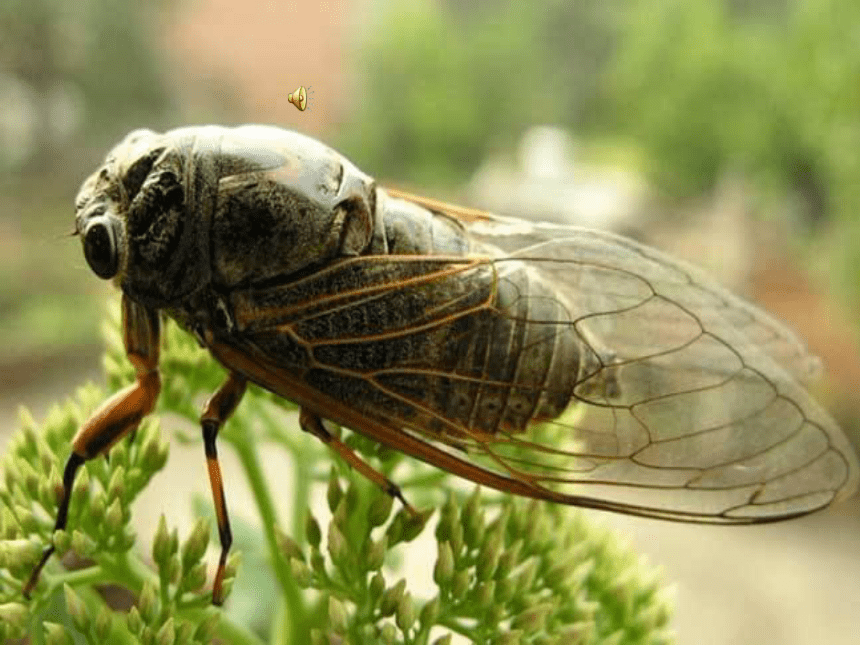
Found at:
[299, 98]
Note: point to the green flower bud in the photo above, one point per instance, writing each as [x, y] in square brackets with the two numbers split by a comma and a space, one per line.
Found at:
[113, 516]
[232, 565]
[376, 554]
[533, 619]
[318, 562]
[146, 603]
[119, 454]
[97, 510]
[485, 592]
[134, 621]
[116, 486]
[196, 544]
[167, 634]
[334, 492]
[82, 485]
[377, 586]
[351, 499]
[20, 551]
[405, 614]
[456, 539]
[443, 640]
[430, 612]
[443, 572]
[615, 638]
[206, 629]
[508, 559]
[227, 587]
[337, 615]
[163, 453]
[395, 529]
[174, 541]
[388, 635]
[312, 531]
[126, 539]
[82, 544]
[184, 632]
[337, 546]
[580, 573]
[513, 637]
[462, 578]
[340, 515]
[301, 572]
[77, 609]
[56, 634]
[579, 632]
[28, 477]
[415, 524]
[151, 455]
[104, 622]
[13, 614]
[25, 519]
[195, 577]
[173, 568]
[391, 598]
[505, 589]
[380, 509]
[10, 524]
[526, 577]
[161, 544]
[485, 567]
[288, 546]
[473, 519]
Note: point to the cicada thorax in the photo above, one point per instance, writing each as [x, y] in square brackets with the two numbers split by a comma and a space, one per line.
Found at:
[211, 208]
[425, 330]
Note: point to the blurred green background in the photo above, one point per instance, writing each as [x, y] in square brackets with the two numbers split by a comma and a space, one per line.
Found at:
[726, 131]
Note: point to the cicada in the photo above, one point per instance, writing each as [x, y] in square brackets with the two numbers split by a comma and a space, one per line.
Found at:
[547, 361]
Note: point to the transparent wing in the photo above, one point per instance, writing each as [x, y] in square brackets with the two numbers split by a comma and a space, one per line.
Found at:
[693, 404]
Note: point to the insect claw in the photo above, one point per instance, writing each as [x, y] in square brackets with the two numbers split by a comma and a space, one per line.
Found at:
[395, 492]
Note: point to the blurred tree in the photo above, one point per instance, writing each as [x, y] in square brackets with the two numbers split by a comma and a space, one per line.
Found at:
[447, 81]
[706, 84]
[97, 56]
[768, 88]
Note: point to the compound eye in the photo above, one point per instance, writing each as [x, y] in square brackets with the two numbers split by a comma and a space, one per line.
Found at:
[100, 247]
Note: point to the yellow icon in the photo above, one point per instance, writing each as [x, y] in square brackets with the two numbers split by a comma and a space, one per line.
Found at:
[299, 98]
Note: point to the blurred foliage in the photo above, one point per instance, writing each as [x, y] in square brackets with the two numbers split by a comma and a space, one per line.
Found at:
[769, 89]
[99, 57]
[74, 76]
[448, 82]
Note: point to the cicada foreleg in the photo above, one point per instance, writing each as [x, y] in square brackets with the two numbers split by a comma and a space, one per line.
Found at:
[312, 424]
[215, 413]
[117, 416]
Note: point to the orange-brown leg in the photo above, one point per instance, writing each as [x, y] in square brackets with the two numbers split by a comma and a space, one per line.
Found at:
[117, 416]
[215, 413]
[312, 423]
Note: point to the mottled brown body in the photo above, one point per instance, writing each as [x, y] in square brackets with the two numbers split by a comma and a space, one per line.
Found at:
[449, 334]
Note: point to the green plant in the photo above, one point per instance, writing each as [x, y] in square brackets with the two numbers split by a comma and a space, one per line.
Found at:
[506, 570]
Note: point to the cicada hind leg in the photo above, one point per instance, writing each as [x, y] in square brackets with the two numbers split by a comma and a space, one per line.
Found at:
[118, 416]
[215, 413]
[312, 424]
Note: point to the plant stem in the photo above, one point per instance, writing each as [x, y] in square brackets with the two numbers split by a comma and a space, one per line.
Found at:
[227, 631]
[249, 458]
[299, 627]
